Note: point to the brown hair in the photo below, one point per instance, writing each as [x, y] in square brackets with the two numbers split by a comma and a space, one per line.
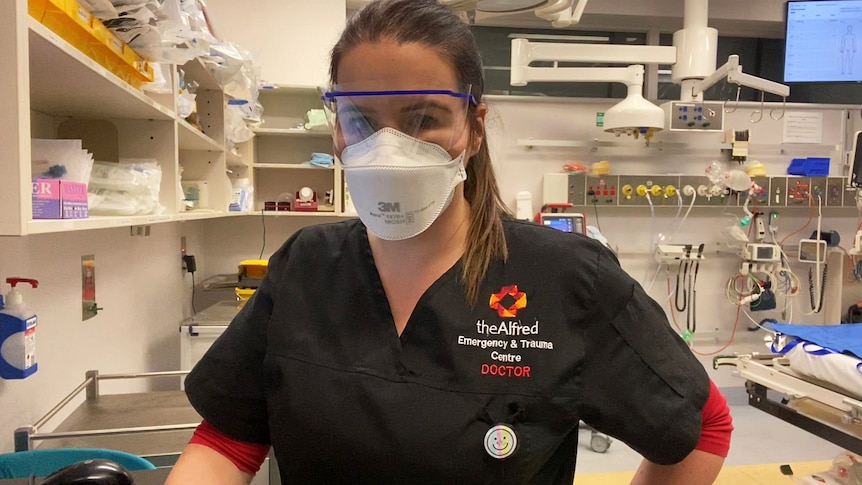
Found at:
[436, 26]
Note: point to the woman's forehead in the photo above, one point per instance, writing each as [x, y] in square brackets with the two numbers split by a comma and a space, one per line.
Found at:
[387, 65]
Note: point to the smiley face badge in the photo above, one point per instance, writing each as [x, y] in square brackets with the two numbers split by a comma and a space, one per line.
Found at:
[500, 441]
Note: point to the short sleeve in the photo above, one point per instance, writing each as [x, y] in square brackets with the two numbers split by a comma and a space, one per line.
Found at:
[227, 386]
[640, 382]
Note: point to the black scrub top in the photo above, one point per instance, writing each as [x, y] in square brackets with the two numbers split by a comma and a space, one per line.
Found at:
[489, 393]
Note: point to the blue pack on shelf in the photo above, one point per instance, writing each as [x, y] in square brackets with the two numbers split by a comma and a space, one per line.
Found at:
[810, 167]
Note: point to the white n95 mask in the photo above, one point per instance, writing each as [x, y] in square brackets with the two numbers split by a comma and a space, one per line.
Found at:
[400, 184]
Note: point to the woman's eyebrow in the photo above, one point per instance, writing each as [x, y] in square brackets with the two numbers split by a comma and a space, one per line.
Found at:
[424, 105]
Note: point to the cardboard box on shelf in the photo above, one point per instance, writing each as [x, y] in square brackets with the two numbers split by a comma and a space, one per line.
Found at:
[59, 199]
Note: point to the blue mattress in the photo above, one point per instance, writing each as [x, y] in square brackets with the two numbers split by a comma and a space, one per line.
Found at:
[846, 338]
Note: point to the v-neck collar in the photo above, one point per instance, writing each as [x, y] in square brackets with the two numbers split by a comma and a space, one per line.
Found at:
[385, 311]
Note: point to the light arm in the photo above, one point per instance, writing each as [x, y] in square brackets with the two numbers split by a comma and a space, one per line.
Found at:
[733, 71]
[561, 13]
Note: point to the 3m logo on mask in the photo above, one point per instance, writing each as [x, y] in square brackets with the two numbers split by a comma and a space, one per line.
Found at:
[389, 206]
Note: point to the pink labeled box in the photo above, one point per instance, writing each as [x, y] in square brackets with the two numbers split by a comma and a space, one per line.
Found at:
[59, 199]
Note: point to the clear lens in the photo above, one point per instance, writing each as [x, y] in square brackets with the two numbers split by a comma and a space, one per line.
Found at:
[433, 116]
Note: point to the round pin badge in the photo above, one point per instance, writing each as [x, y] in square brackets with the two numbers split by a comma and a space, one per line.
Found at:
[500, 441]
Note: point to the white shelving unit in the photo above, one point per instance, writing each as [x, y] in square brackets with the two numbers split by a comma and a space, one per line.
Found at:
[52, 90]
[281, 146]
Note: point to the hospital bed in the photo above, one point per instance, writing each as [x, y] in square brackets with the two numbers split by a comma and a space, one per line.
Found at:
[817, 406]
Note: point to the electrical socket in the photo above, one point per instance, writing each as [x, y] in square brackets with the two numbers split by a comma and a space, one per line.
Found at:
[835, 192]
[818, 188]
[577, 189]
[762, 198]
[777, 191]
[798, 190]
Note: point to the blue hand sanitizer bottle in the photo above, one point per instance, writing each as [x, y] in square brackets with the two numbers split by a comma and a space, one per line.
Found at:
[17, 334]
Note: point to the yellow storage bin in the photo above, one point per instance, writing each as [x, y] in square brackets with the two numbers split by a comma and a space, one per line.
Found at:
[36, 9]
[243, 294]
[75, 24]
[71, 22]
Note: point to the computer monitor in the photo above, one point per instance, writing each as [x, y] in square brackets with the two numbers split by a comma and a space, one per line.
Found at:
[566, 222]
[823, 41]
[856, 161]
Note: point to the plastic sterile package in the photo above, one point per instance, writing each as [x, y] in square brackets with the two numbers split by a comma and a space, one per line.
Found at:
[236, 130]
[235, 70]
[60, 159]
[129, 176]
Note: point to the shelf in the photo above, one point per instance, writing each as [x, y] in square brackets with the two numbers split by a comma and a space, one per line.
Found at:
[193, 139]
[291, 132]
[290, 166]
[301, 214]
[46, 226]
[64, 81]
[289, 89]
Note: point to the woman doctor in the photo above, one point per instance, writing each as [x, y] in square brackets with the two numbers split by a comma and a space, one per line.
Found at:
[434, 339]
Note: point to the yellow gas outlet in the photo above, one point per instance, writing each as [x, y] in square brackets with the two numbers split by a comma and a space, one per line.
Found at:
[642, 190]
[669, 191]
[627, 191]
[655, 190]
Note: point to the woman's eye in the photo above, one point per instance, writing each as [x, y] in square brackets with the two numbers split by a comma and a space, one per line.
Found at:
[422, 122]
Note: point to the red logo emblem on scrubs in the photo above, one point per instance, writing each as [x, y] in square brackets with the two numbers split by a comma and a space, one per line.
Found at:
[511, 311]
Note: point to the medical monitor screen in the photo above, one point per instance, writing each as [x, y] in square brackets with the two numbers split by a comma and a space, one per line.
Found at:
[823, 41]
[565, 223]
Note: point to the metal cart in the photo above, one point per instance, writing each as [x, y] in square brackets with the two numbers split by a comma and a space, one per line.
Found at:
[156, 425]
[813, 405]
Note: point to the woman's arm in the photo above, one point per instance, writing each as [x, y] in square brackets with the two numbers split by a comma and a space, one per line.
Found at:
[698, 468]
[702, 465]
[201, 464]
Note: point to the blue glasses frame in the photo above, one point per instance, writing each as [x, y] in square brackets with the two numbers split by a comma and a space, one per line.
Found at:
[331, 95]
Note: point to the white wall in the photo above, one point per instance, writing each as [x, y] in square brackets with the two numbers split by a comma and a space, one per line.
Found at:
[144, 293]
[632, 229]
[291, 38]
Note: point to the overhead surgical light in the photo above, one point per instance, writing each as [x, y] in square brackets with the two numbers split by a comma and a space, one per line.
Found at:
[692, 57]
[632, 116]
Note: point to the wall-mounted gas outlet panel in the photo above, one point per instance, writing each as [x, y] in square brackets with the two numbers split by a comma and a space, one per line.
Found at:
[798, 191]
[661, 189]
[603, 190]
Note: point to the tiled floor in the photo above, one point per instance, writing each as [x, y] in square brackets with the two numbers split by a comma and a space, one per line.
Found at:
[730, 475]
[759, 445]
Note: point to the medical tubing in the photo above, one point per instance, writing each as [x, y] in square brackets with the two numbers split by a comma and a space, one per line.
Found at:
[685, 216]
[729, 342]
[652, 232]
[681, 273]
[813, 296]
[737, 296]
[678, 212]
[654, 277]
[820, 289]
[693, 298]
[810, 218]
[596, 209]
[670, 306]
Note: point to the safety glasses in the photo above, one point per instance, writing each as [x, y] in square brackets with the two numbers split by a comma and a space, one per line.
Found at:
[436, 116]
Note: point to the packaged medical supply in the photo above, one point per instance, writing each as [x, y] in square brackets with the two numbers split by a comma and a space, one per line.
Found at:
[59, 199]
[17, 334]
